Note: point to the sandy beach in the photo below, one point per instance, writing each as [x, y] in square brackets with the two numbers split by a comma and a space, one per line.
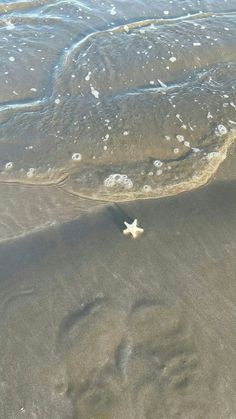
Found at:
[104, 326]
[111, 112]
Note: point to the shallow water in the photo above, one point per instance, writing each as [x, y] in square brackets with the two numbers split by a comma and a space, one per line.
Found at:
[116, 100]
[104, 101]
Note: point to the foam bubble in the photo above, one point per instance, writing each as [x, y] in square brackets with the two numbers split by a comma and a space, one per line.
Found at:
[180, 138]
[9, 165]
[118, 179]
[158, 163]
[76, 156]
[187, 143]
[147, 188]
[87, 78]
[30, 172]
[221, 130]
[94, 92]
[113, 11]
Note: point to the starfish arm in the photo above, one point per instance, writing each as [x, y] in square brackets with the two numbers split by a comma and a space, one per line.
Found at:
[137, 232]
[141, 230]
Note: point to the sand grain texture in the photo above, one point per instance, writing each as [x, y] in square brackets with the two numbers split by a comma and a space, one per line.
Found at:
[97, 325]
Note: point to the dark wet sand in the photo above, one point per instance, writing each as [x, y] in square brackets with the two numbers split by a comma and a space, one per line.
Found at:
[117, 100]
[94, 324]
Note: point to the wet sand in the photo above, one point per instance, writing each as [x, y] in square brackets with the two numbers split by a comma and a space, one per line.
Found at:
[104, 102]
[97, 325]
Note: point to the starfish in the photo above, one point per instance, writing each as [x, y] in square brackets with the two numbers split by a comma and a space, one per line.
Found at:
[133, 229]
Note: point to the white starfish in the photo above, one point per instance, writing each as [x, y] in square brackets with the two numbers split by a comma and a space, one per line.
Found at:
[133, 229]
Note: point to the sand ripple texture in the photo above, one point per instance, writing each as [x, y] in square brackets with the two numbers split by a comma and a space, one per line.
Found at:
[116, 101]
